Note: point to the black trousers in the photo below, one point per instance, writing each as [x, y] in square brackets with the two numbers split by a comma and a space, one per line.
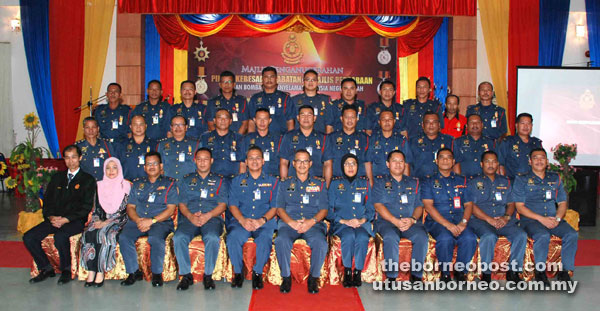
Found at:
[33, 242]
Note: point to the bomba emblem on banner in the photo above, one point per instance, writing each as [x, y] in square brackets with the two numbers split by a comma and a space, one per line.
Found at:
[292, 51]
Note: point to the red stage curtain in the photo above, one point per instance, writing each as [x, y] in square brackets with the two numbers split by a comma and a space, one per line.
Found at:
[426, 62]
[419, 37]
[66, 34]
[166, 70]
[523, 42]
[317, 7]
[171, 32]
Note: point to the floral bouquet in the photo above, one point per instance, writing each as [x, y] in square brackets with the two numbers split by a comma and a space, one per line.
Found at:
[563, 154]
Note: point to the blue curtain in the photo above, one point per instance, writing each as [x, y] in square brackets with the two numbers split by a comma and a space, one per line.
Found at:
[264, 19]
[203, 19]
[152, 52]
[554, 16]
[392, 21]
[331, 18]
[440, 62]
[34, 20]
[592, 9]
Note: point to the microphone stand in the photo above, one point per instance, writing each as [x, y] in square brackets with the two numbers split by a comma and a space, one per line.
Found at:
[90, 103]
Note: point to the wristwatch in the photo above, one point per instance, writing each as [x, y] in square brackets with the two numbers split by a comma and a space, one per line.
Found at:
[154, 220]
[265, 219]
[464, 221]
[414, 220]
[558, 219]
[315, 219]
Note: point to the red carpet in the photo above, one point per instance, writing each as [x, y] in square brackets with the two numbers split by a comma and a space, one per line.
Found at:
[13, 254]
[329, 298]
[588, 253]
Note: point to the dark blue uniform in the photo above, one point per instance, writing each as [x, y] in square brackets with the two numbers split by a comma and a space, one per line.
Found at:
[334, 113]
[373, 115]
[200, 195]
[493, 118]
[254, 198]
[414, 112]
[280, 107]
[225, 151]
[114, 124]
[236, 105]
[92, 157]
[541, 197]
[380, 147]
[513, 154]
[132, 158]
[313, 143]
[468, 151]
[320, 104]
[156, 118]
[491, 197]
[178, 156]
[150, 199]
[449, 195]
[269, 145]
[195, 115]
[302, 200]
[339, 144]
[424, 152]
[351, 200]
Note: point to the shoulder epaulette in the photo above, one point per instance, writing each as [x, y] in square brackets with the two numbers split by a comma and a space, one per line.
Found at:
[80, 141]
[286, 178]
[319, 178]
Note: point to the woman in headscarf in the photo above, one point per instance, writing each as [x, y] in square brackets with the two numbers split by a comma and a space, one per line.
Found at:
[99, 241]
[351, 213]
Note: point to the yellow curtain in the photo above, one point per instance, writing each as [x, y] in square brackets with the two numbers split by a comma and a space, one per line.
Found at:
[403, 72]
[494, 23]
[180, 72]
[98, 20]
[413, 74]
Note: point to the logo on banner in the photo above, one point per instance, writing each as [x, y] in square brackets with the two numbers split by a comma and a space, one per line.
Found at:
[292, 51]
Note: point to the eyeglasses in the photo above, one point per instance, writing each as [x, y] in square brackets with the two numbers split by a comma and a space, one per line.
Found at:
[350, 164]
[303, 162]
[152, 164]
[227, 82]
[310, 80]
[178, 125]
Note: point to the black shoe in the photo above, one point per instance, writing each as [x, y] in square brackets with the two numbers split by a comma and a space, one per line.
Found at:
[65, 277]
[286, 285]
[88, 284]
[348, 281]
[486, 277]
[44, 274]
[238, 281]
[257, 280]
[563, 276]
[445, 278]
[208, 282]
[415, 279]
[541, 276]
[357, 278]
[132, 278]
[98, 285]
[186, 281]
[513, 276]
[313, 285]
[459, 276]
[157, 279]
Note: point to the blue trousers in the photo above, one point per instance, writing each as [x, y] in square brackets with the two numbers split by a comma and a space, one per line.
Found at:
[156, 238]
[263, 238]
[541, 240]
[354, 242]
[316, 240]
[391, 238]
[445, 243]
[488, 236]
[211, 234]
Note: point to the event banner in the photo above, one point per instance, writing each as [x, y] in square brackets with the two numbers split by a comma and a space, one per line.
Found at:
[367, 60]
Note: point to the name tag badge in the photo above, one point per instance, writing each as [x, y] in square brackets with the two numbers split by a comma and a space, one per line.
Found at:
[266, 156]
[494, 123]
[141, 160]
[272, 109]
[96, 162]
[234, 117]
[115, 124]
[305, 199]
[548, 194]
[204, 193]
[155, 119]
[316, 111]
[192, 122]
[498, 196]
[404, 199]
[457, 202]
[353, 151]
[232, 156]
[181, 157]
[357, 197]
[151, 197]
[257, 194]
[309, 150]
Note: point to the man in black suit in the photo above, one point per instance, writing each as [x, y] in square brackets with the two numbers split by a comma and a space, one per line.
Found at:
[67, 202]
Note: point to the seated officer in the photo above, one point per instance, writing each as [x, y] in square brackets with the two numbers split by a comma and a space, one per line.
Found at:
[152, 201]
[311, 97]
[301, 207]
[224, 145]
[387, 94]
[232, 102]
[348, 98]
[68, 200]
[469, 148]
[202, 200]
[178, 151]
[305, 137]
[514, 150]
[265, 140]
[278, 103]
[195, 113]
[94, 150]
[492, 115]
[383, 141]
[113, 118]
[396, 198]
[444, 196]
[351, 214]
[131, 152]
[537, 195]
[493, 216]
[347, 140]
[415, 109]
[154, 112]
[252, 205]
[424, 147]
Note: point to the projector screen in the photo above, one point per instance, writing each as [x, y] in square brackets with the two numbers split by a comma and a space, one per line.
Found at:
[565, 105]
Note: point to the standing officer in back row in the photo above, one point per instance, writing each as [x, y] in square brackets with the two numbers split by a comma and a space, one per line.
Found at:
[195, 113]
[310, 96]
[94, 149]
[113, 118]
[224, 144]
[513, 151]
[348, 97]
[155, 111]
[279, 104]
[133, 150]
[424, 147]
[415, 109]
[232, 102]
[492, 115]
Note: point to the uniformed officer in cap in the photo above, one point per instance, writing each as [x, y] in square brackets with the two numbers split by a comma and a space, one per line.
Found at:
[424, 146]
[202, 201]
[224, 144]
[301, 206]
[397, 200]
[132, 151]
[178, 151]
[541, 201]
[348, 97]
[228, 99]
[268, 142]
[444, 196]
[415, 109]
[279, 104]
[513, 151]
[383, 141]
[493, 216]
[492, 115]
[154, 111]
[151, 205]
[311, 97]
[387, 92]
[94, 150]
[113, 118]
[469, 148]
[252, 198]
[195, 113]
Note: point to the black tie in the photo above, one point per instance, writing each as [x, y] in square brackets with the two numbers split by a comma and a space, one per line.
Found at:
[70, 176]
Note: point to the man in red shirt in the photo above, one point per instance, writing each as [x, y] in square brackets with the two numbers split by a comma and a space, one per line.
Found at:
[454, 122]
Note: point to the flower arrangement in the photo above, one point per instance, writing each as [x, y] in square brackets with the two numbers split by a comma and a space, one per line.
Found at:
[563, 154]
